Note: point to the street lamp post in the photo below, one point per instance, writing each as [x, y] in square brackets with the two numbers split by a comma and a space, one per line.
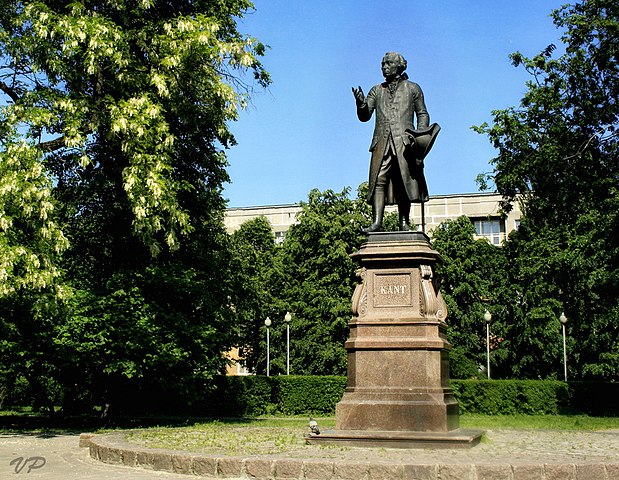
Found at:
[267, 322]
[287, 319]
[563, 320]
[488, 318]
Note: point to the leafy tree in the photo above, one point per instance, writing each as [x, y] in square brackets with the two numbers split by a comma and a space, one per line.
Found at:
[114, 117]
[142, 91]
[558, 155]
[473, 274]
[318, 280]
[31, 238]
[255, 268]
[533, 304]
[311, 275]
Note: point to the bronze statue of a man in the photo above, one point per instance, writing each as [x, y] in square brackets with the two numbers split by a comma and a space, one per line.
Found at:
[398, 148]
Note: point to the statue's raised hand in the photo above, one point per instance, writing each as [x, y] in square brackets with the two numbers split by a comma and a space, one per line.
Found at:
[359, 96]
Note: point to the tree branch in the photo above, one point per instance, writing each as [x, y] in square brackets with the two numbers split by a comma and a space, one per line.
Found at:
[9, 91]
[52, 145]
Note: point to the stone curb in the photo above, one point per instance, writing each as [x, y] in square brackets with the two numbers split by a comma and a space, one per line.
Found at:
[112, 448]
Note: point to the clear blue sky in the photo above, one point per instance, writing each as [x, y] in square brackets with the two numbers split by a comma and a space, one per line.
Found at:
[303, 132]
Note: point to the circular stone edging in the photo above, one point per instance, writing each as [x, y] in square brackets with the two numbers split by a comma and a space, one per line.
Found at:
[113, 448]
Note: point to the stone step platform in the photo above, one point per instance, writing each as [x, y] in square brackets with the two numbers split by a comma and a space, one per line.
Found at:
[502, 455]
[460, 438]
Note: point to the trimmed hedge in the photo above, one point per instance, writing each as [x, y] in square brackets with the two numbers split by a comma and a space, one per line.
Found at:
[259, 395]
[297, 395]
[510, 397]
[237, 396]
[595, 398]
[318, 395]
[536, 397]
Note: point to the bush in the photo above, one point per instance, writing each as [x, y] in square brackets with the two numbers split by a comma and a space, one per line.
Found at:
[595, 398]
[298, 395]
[318, 395]
[259, 395]
[237, 396]
[511, 397]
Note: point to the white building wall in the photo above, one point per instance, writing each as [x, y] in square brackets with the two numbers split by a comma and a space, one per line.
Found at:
[476, 206]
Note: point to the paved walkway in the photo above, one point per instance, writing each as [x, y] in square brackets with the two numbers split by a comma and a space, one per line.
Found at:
[59, 457]
[505, 455]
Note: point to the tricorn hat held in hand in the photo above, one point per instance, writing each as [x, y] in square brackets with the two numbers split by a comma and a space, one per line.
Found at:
[424, 139]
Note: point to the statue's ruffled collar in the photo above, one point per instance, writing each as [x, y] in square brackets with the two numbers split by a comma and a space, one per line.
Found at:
[397, 79]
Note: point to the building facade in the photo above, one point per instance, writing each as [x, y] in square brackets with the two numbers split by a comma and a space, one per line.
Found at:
[482, 208]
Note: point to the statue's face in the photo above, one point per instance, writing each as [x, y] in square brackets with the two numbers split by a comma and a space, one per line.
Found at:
[389, 66]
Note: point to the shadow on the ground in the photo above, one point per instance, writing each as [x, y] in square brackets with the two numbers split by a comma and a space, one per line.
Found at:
[55, 425]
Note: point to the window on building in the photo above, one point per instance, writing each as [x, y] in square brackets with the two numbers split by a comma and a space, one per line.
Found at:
[241, 369]
[490, 229]
[279, 237]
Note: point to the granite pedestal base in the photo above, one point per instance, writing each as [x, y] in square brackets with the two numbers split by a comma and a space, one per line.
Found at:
[459, 438]
[398, 391]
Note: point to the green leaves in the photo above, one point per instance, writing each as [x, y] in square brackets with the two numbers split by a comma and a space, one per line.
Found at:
[320, 278]
[255, 273]
[30, 237]
[473, 275]
[114, 117]
[134, 82]
[310, 274]
[558, 156]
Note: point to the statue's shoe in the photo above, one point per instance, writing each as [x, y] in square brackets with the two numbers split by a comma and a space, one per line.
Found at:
[375, 227]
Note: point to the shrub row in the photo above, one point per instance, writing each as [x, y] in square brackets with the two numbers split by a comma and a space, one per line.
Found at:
[318, 395]
[510, 397]
[258, 395]
[536, 397]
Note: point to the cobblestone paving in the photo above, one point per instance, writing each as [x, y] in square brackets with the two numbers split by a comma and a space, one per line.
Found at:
[503, 454]
[63, 459]
[500, 446]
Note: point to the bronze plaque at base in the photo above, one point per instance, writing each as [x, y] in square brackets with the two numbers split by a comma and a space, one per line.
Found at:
[398, 392]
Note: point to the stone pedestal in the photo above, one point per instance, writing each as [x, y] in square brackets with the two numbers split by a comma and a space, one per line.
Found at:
[398, 391]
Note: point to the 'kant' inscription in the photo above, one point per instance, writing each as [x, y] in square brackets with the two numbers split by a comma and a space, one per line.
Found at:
[392, 290]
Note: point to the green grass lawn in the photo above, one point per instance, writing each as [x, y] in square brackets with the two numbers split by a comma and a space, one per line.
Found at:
[256, 437]
[270, 435]
[546, 422]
